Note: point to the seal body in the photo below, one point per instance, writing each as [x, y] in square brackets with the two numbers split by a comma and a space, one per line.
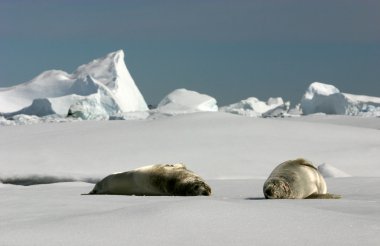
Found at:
[296, 179]
[155, 180]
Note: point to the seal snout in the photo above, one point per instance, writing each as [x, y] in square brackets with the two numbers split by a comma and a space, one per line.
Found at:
[268, 193]
[206, 191]
[272, 192]
[276, 189]
[201, 189]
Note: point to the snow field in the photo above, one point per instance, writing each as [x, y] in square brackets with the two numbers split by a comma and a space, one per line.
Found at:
[236, 213]
[234, 154]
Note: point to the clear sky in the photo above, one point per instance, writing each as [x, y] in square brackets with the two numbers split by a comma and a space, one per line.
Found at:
[229, 49]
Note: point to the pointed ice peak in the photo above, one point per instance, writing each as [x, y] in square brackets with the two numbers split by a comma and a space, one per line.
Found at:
[108, 72]
[118, 55]
[112, 72]
[103, 67]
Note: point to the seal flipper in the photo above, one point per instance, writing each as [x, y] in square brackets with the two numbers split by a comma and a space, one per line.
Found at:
[324, 196]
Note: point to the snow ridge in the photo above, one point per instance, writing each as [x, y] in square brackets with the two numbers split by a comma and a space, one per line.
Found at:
[27, 180]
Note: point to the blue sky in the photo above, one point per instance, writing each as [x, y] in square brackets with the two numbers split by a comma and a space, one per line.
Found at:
[230, 50]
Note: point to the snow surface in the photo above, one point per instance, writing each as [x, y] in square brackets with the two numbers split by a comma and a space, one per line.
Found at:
[53, 92]
[183, 101]
[324, 98]
[234, 154]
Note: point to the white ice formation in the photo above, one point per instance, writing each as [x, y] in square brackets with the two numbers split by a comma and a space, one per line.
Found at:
[102, 87]
[329, 171]
[324, 98]
[253, 107]
[182, 101]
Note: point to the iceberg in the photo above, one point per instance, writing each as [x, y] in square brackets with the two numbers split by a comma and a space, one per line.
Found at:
[100, 105]
[325, 98]
[253, 107]
[183, 101]
[112, 73]
[104, 83]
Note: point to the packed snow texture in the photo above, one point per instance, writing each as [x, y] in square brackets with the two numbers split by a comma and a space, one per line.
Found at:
[324, 98]
[203, 141]
[234, 154]
[253, 107]
[104, 83]
[183, 101]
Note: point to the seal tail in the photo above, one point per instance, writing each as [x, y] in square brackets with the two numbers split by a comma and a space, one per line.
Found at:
[324, 196]
[93, 192]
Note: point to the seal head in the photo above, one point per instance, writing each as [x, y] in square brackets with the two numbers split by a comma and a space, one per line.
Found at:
[296, 179]
[277, 188]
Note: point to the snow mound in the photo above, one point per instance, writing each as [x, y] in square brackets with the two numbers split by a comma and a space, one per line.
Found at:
[55, 91]
[324, 98]
[253, 107]
[182, 101]
[329, 171]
